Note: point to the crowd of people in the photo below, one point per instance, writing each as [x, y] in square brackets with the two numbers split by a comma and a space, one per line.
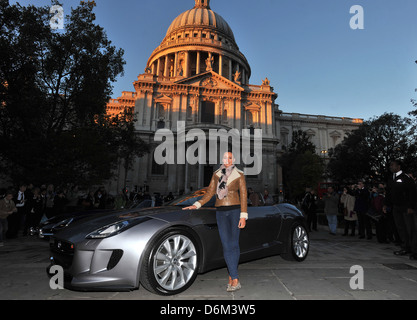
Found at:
[23, 208]
[391, 207]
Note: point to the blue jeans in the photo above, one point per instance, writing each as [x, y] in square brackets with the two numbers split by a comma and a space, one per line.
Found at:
[332, 219]
[228, 222]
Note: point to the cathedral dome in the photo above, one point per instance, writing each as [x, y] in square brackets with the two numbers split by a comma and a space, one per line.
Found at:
[199, 40]
[201, 16]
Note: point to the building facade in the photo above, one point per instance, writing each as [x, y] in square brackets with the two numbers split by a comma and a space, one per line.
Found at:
[197, 77]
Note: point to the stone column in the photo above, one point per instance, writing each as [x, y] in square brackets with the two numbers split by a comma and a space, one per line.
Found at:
[198, 67]
[220, 65]
[166, 70]
[176, 64]
[187, 64]
[158, 67]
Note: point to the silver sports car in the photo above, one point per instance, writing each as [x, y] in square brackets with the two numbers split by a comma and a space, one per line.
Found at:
[163, 249]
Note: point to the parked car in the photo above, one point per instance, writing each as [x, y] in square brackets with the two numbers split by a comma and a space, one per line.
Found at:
[164, 248]
[49, 227]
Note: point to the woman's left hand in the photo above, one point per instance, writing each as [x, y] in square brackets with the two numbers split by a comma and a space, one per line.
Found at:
[242, 223]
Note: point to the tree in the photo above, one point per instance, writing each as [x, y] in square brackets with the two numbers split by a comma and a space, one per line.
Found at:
[301, 166]
[127, 142]
[54, 87]
[367, 152]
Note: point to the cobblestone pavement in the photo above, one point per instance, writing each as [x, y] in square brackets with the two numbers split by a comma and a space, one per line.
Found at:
[324, 275]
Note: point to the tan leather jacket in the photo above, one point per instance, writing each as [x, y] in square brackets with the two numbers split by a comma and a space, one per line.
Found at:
[236, 184]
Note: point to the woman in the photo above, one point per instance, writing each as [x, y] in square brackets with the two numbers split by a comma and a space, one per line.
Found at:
[7, 208]
[231, 214]
[348, 201]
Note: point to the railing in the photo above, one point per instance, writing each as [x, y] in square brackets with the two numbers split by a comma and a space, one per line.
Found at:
[309, 117]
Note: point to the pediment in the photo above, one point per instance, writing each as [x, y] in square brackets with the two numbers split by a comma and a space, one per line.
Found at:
[210, 80]
[335, 134]
[163, 98]
[252, 107]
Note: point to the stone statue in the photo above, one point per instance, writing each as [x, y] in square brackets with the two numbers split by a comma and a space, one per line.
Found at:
[237, 76]
[266, 82]
[209, 63]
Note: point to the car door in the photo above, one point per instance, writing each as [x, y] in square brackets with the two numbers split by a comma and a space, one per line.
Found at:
[262, 228]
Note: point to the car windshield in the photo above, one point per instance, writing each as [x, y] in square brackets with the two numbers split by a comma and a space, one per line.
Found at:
[190, 199]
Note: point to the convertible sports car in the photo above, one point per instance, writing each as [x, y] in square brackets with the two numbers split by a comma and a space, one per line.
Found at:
[163, 249]
[49, 227]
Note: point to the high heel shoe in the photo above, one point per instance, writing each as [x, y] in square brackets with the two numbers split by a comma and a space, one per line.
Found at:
[232, 288]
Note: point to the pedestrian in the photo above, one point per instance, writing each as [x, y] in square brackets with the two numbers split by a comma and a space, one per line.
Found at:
[348, 201]
[268, 201]
[401, 197]
[231, 214]
[169, 197]
[413, 256]
[309, 207]
[50, 197]
[89, 202]
[7, 208]
[331, 209]
[376, 211]
[100, 197]
[312, 214]
[36, 211]
[361, 208]
[253, 198]
[16, 220]
[73, 197]
[60, 202]
[120, 201]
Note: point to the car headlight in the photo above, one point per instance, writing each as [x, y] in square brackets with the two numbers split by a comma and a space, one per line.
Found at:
[109, 230]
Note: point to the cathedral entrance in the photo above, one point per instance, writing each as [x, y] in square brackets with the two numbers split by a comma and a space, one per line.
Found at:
[208, 109]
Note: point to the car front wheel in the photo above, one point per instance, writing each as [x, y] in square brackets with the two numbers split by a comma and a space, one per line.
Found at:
[171, 263]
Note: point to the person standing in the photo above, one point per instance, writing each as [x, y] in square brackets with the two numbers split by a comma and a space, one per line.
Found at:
[309, 207]
[401, 197]
[361, 208]
[7, 208]
[15, 220]
[268, 201]
[413, 255]
[312, 212]
[350, 216]
[35, 211]
[231, 214]
[253, 198]
[331, 209]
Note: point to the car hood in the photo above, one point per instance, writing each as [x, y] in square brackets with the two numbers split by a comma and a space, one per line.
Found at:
[80, 229]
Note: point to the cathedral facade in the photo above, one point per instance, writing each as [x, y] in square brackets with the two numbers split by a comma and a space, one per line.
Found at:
[198, 79]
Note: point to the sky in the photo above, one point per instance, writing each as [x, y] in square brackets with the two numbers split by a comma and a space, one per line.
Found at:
[315, 61]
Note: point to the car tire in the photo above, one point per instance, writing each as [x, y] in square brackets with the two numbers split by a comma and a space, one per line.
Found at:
[298, 243]
[170, 263]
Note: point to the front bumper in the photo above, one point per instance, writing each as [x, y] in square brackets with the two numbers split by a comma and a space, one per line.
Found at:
[111, 264]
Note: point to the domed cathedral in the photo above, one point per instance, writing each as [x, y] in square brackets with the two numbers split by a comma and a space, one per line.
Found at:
[197, 78]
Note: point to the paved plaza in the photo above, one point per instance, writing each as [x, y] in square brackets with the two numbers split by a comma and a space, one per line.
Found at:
[324, 275]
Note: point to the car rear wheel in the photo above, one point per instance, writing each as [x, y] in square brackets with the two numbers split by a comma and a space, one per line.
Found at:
[298, 243]
[171, 263]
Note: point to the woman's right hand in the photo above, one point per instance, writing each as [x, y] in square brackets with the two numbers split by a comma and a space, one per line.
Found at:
[190, 208]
